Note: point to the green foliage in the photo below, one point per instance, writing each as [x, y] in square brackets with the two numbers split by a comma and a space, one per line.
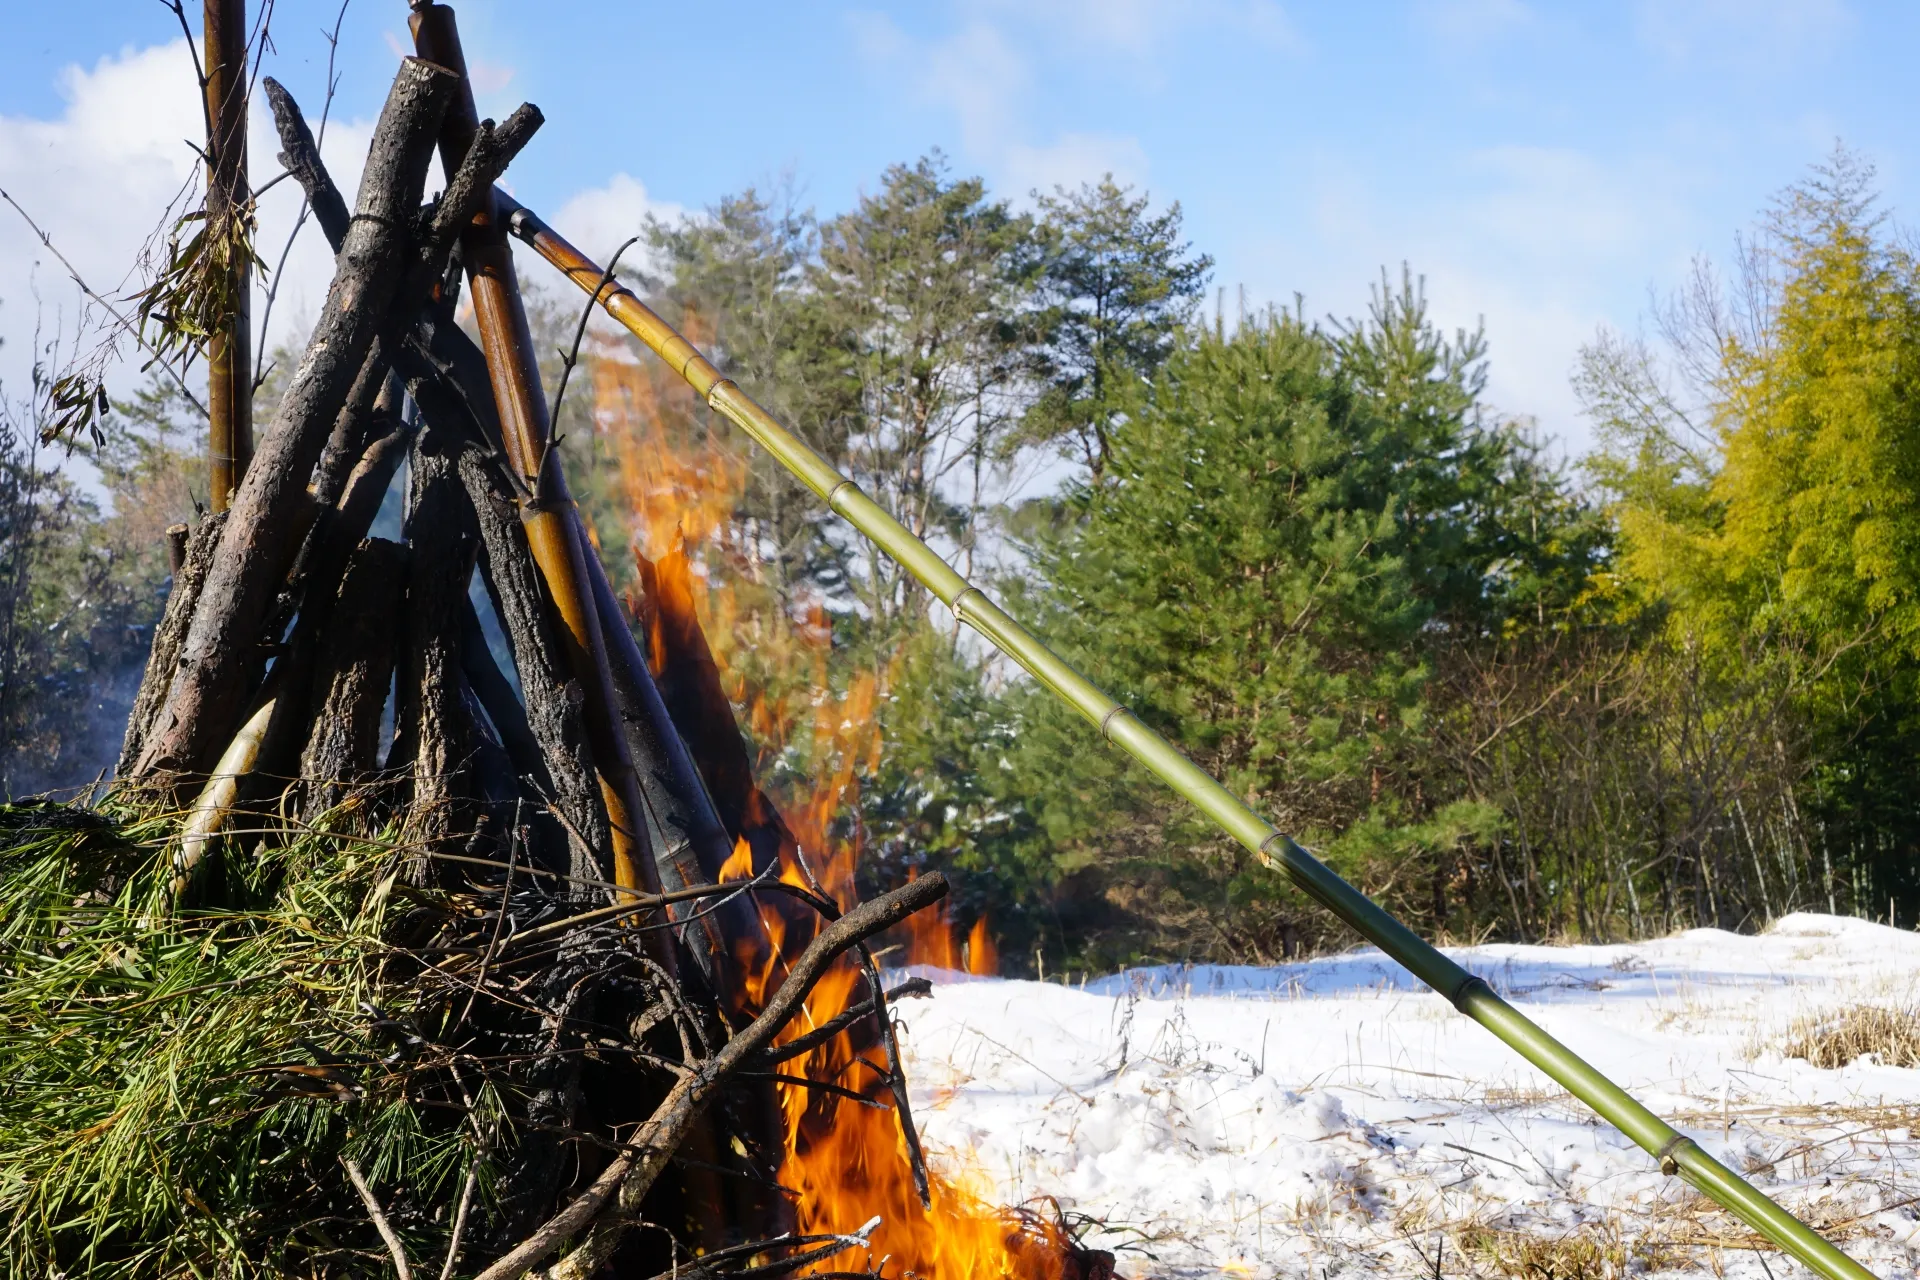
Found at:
[1769, 511]
[167, 1107]
[1116, 284]
[1291, 519]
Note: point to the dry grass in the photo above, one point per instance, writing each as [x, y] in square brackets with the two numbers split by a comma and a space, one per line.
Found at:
[1830, 1041]
[1598, 1252]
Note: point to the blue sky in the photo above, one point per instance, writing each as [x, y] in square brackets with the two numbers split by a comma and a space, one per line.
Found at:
[1543, 165]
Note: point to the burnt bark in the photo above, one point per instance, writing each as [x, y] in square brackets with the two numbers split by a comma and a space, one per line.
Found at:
[221, 660]
[301, 157]
[553, 699]
[355, 675]
[164, 655]
[689, 681]
[441, 535]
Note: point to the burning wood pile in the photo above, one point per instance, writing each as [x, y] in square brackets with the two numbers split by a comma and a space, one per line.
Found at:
[394, 956]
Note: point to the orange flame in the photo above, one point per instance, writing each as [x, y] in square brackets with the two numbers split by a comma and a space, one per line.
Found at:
[846, 1162]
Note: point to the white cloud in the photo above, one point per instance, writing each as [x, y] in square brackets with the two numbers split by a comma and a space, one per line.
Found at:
[100, 176]
[601, 217]
[97, 178]
[1073, 159]
[1761, 35]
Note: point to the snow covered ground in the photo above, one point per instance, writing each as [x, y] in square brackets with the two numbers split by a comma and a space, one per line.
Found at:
[1334, 1118]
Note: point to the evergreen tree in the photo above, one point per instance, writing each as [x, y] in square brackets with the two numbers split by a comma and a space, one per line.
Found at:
[1117, 283]
[1288, 513]
[926, 286]
[1785, 531]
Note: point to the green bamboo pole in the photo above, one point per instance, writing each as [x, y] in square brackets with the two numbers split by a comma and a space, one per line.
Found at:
[1676, 1153]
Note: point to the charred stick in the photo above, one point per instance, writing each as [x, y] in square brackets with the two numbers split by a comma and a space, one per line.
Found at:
[188, 580]
[353, 434]
[697, 702]
[754, 1248]
[350, 687]
[627, 1179]
[808, 1082]
[221, 659]
[301, 157]
[338, 530]
[827, 1247]
[440, 529]
[689, 839]
[897, 1079]
[553, 698]
[840, 1022]
[470, 187]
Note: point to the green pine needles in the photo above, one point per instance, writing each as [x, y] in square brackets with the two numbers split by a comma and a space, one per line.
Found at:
[178, 1088]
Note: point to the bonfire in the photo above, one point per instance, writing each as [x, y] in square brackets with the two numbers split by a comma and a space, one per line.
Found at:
[536, 978]
[541, 979]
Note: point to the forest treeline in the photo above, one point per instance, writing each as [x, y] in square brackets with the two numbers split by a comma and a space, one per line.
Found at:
[1669, 684]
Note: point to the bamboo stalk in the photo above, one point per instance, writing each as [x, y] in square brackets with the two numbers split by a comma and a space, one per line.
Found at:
[214, 805]
[552, 529]
[230, 348]
[1469, 994]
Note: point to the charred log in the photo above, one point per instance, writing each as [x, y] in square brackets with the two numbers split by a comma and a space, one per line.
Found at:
[554, 701]
[169, 636]
[439, 730]
[697, 702]
[355, 677]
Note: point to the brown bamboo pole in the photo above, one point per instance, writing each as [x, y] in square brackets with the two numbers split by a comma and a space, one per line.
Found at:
[552, 528]
[230, 347]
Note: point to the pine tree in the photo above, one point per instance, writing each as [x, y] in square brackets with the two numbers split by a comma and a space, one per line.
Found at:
[1117, 284]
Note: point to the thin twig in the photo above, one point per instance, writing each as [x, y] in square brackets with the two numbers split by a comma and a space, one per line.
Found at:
[132, 329]
[840, 1022]
[379, 1217]
[193, 52]
[460, 1216]
[500, 923]
[571, 357]
[808, 1082]
[260, 366]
